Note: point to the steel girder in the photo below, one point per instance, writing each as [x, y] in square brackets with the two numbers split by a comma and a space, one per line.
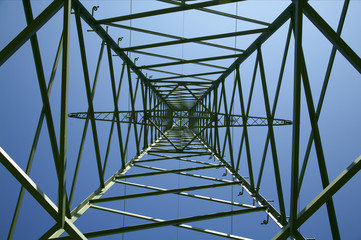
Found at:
[223, 120]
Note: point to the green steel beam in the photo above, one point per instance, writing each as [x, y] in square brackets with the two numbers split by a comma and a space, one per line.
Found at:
[160, 80]
[271, 211]
[272, 138]
[323, 90]
[112, 125]
[63, 139]
[186, 174]
[162, 192]
[38, 195]
[276, 24]
[191, 40]
[180, 158]
[179, 74]
[177, 82]
[89, 96]
[216, 233]
[163, 134]
[132, 101]
[297, 28]
[166, 171]
[115, 103]
[89, 19]
[247, 110]
[168, 222]
[171, 91]
[78, 211]
[222, 13]
[176, 59]
[165, 11]
[228, 131]
[196, 136]
[35, 143]
[319, 150]
[43, 89]
[171, 36]
[275, 101]
[322, 197]
[30, 30]
[81, 147]
[245, 129]
[191, 61]
[332, 36]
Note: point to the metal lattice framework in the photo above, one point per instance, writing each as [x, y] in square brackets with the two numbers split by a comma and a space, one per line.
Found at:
[181, 121]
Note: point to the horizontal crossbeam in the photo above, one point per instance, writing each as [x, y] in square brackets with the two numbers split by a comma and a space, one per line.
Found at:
[169, 222]
[230, 236]
[188, 194]
[186, 174]
[171, 36]
[162, 192]
[224, 120]
[168, 171]
[165, 11]
[221, 13]
[188, 76]
[204, 38]
[191, 61]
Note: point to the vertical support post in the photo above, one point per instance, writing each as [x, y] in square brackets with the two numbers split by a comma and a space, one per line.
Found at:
[296, 115]
[64, 113]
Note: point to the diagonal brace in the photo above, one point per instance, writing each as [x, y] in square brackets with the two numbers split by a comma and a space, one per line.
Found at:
[162, 192]
[167, 171]
[39, 196]
[169, 222]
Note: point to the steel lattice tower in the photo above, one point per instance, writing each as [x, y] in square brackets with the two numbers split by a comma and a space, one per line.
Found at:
[176, 119]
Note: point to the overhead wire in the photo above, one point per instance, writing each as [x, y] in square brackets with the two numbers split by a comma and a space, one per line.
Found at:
[231, 111]
[179, 162]
[126, 154]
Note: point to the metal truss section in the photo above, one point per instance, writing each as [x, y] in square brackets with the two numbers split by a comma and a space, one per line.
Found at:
[170, 94]
[181, 118]
[95, 200]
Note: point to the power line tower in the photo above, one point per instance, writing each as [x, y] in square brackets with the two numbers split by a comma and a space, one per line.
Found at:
[203, 120]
